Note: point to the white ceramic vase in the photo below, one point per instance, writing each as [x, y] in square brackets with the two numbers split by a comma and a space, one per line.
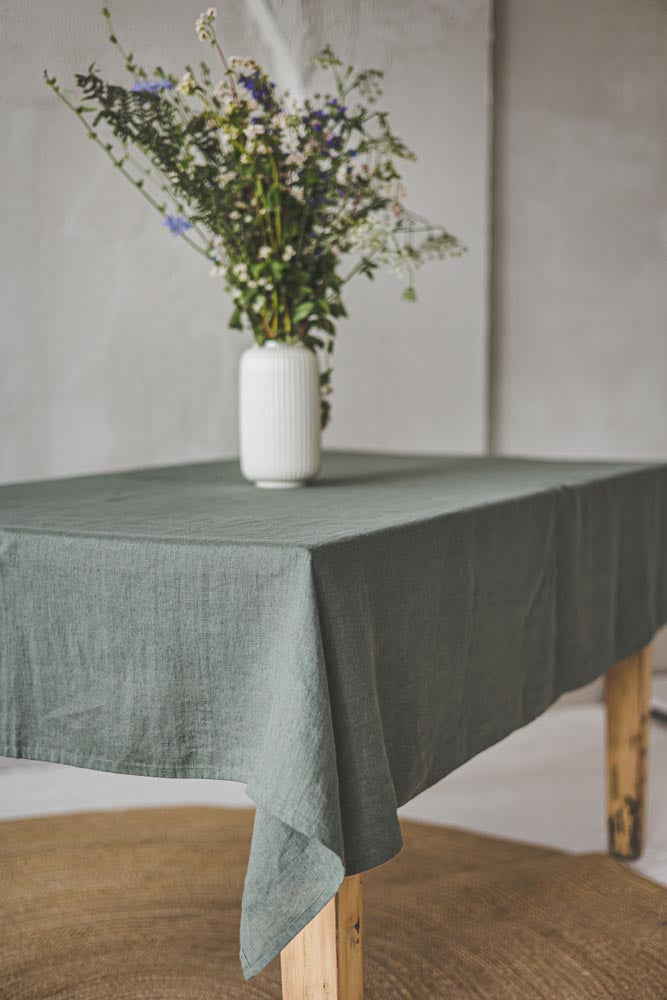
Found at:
[279, 415]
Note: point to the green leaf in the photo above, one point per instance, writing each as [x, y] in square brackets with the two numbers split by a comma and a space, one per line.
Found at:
[236, 320]
[302, 311]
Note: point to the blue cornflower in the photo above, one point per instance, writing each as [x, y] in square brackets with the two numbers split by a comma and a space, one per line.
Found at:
[177, 224]
[259, 90]
[337, 109]
[151, 86]
[352, 152]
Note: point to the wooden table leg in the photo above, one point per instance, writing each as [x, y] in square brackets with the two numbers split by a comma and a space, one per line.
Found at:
[627, 690]
[324, 961]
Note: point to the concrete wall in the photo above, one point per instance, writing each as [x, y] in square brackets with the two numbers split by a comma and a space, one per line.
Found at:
[113, 346]
[580, 228]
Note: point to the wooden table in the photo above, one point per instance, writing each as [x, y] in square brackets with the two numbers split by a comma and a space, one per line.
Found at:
[337, 649]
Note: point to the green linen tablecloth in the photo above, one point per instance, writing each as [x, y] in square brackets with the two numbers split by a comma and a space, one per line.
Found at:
[338, 648]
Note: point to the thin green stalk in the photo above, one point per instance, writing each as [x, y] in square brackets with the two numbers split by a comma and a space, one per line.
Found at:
[225, 66]
[113, 38]
[357, 268]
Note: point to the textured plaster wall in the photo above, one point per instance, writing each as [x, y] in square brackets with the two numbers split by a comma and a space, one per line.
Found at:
[113, 344]
[580, 222]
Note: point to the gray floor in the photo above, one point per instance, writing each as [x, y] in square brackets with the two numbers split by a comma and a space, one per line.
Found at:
[544, 784]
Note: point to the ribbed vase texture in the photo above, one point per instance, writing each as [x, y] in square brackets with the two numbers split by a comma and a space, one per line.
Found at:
[279, 417]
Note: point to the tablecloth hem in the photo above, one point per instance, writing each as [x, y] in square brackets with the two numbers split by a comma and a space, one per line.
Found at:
[38, 753]
[252, 968]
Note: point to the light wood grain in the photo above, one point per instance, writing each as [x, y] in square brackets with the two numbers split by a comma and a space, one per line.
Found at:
[324, 961]
[627, 689]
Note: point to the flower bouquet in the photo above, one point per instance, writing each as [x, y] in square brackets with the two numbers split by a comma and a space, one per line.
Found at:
[286, 198]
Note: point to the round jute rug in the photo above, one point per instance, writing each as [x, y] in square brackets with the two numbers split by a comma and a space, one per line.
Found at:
[145, 905]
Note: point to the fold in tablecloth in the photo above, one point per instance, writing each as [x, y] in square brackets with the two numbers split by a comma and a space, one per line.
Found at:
[338, 649]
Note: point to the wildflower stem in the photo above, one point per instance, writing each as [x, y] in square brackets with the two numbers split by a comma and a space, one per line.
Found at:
[118, 163]
[357, 268]
[113, 38]
[225, 64]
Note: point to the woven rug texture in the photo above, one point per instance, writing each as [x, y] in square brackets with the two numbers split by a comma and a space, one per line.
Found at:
[145, 905]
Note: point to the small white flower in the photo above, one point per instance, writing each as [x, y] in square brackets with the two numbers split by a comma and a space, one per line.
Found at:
[288, 252]
[252, 284]
[254, 130]
[204, 24]
[234, 214]
[264, 252]
[186, 84]
[247, 218]
[342, 174]
[243, 62]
